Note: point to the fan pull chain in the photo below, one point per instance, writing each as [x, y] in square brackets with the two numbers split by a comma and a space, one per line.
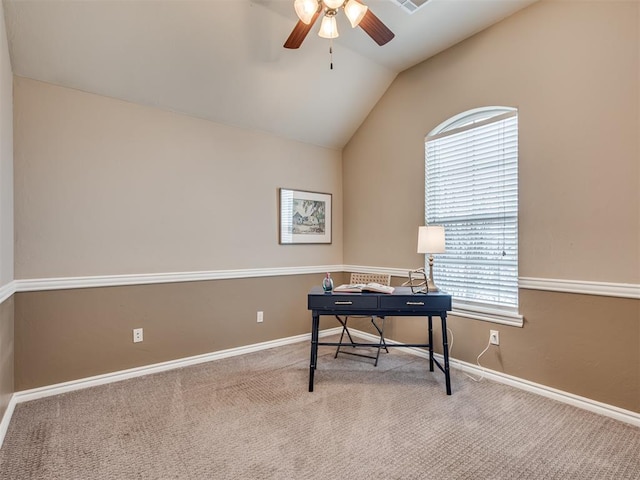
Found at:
[331, 54]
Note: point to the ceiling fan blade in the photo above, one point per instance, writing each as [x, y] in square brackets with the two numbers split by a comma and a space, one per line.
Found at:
[300, 32]
[376, 29]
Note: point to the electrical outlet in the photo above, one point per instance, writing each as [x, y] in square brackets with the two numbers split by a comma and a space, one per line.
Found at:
[137, 335]
[494, 337]
[260, 317]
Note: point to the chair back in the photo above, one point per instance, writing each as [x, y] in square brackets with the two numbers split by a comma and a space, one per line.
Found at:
[381, 278]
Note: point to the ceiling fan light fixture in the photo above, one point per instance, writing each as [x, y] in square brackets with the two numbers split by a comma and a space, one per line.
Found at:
[355, 12]
[333, 4]
[359, 15]
[305, 9]
[329, 26]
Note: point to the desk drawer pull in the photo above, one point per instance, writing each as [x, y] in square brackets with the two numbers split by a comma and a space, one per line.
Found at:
[415, 303]
[344, 303]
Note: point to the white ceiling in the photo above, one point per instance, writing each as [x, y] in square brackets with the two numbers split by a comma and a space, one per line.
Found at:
[223, 60]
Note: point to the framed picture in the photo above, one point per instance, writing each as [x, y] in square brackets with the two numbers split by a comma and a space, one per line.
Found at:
[305, 217]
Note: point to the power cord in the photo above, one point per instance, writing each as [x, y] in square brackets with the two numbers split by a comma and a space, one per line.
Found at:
[477, 358]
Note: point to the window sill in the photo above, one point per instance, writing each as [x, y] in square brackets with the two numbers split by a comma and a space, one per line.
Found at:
[504, 316]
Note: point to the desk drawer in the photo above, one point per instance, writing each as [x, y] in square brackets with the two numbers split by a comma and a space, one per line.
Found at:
[416, 303]
[342, 302]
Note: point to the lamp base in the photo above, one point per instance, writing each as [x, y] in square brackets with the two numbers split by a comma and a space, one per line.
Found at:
[432, 287]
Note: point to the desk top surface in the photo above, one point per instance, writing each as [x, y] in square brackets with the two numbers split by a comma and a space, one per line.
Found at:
[399, 291]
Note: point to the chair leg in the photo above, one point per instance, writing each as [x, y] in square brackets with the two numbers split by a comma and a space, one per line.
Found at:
[379, 328]
[344, 330]
[382, 343]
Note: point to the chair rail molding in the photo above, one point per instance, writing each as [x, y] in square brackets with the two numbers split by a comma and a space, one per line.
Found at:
[7, 290]
[62, 283]
[606, 289]
[609, 289]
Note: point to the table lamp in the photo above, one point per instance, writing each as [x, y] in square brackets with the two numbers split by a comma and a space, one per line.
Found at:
[431, 240]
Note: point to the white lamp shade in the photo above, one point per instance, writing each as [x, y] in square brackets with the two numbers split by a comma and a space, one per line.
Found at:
[305, 9]
[333, 4]
[431, 239]
[355, 12]
[329, 27]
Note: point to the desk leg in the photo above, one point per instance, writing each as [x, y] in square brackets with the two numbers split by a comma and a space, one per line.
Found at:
[315, 326]
[430, 344]
[445, 351]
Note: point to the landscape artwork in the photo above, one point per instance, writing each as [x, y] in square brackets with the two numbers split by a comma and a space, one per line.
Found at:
[308, 216]
[305, 217]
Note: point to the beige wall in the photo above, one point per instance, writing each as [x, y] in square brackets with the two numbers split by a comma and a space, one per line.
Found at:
[6, 219]
[108, 187]
[572, 69]
[6, 158]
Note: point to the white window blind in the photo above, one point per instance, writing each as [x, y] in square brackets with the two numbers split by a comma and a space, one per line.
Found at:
[471, 188]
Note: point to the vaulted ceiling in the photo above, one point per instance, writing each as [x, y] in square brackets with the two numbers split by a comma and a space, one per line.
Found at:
[223, 60]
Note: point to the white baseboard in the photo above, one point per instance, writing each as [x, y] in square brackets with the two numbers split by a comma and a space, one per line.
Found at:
[57, 389]
[584, 403]
[49, 390]
[6, 418]
[626, 416]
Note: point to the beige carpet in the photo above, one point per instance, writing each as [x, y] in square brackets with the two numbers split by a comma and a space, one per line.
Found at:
[251, 417]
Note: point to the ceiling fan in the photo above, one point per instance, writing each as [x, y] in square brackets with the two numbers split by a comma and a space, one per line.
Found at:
[358, 14]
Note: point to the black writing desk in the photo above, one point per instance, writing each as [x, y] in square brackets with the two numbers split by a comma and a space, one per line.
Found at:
[400, 303]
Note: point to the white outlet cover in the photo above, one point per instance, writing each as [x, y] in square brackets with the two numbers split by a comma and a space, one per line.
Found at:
[137, 335]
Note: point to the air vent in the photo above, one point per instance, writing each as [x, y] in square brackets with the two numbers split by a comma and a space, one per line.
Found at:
[410, 6]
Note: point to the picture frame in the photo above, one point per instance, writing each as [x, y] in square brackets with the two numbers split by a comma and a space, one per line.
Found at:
[305, 217]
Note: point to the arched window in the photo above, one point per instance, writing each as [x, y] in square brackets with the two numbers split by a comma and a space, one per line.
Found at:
[471, 188]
